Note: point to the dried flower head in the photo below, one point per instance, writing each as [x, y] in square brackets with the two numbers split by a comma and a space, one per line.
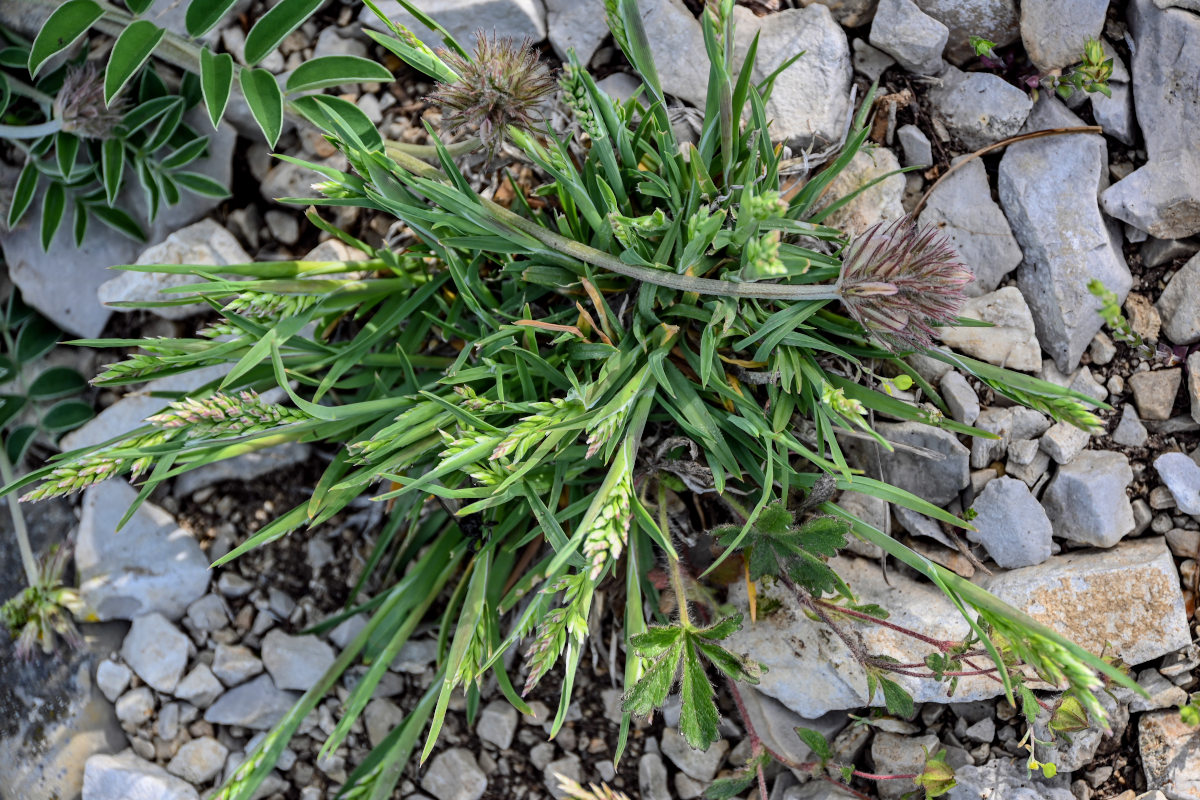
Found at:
[502, 85]
[899, 280]
[80, 104]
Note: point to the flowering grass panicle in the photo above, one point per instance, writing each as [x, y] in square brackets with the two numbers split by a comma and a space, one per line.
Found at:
[221, 413]
[899, 281]
[502, 85]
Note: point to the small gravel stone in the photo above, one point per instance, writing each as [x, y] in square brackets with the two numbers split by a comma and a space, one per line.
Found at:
[1182, 476]
[1102, 349]
[1012, 341]
[1022, 452]
[233, 586]
[1063, 441]
[296, 662]
[454, 775]
[125, 776]
[962, 208]
[381, 716]
[909, 35]
[871, 61]
[1130, 431]
[699, 764]
[135, 707]
[982, 731]
[652, 778]
[1183, 543]
[1193, 384]
[1011, 525]
[1163, 693]
[1154, 392]
[1032, 472]
[235, 663]
[897, 755]
[1179, 304]
[960, 398]
[199, 761]
[917, 150]
[199, 687]
[979, 108]
[1086, 500]
[157, 651]
[568, 767]
[112, 678]
[257, 704]
[1054, 33]
[207, 613]
[497, 723]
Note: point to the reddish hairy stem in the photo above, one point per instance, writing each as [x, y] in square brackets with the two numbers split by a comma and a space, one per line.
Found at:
[941, 644]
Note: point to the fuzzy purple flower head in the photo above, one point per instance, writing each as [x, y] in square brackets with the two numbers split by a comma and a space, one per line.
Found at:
[502, 85]
[80, 104]
[899, 281]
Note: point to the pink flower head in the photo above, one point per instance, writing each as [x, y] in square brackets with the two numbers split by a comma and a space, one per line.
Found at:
[899, 281]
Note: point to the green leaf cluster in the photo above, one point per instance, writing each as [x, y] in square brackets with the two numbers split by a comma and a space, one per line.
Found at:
[528, 365]
[676, 655]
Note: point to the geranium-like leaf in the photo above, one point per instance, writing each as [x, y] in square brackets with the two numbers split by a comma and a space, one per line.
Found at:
[776, 545]
[897, 700]
[937, 777]
[652, 689]
[816, 742]
[698, 718]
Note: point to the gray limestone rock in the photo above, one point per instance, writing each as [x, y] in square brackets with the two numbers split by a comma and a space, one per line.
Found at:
[578, 24]
[917, 150]
[112, 678]
[1006, 778]
[881, 198]
[979, 108]
[894, 754]
[811, 99]
[1011, 525]
[1012, 341]
[1063, 441]
[652, 778]
[1182, 477]
[1086, 500]
[962, 208]
[1179, 304]
[381, 716]
[677, 44]
[936, 476]
[127, 777]
[960, 398]
[1163, 197]
[1127, 598]
[295, 662]
[701, 765]
[909, 35]
[258, 705]
[151, 565]
[497, 723]
[156, 651]
[1115, 113]
[1154, 392]
[199, 760]
[135, 708]
[208, 613]
[1055, 31]
[199, 687]
[994, 20]
[514, 19]
[203, 243]
[1047, 188]
[454, 775]
[1170, 751]
[870, 61]
[235, 663]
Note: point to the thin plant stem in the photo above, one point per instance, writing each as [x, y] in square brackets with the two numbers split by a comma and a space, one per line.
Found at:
[31, 131]
[673, 567]
[23, 89]
[22, 532]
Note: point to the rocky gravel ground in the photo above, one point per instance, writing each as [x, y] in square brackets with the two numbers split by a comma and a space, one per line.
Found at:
[1097, 535]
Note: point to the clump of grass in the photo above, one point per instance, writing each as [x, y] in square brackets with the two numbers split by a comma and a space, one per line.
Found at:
[659, 319]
